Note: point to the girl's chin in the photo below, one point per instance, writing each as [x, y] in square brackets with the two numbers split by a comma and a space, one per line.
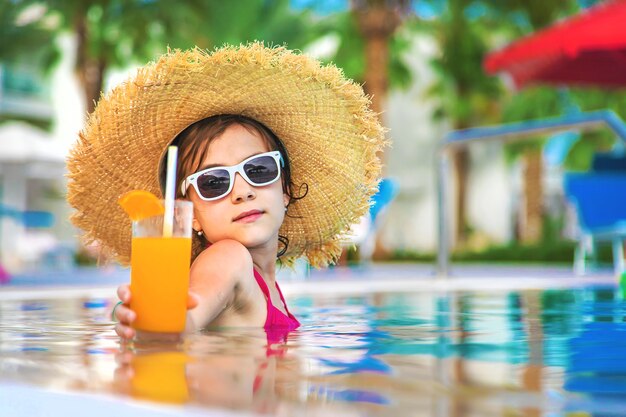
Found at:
[256, 242]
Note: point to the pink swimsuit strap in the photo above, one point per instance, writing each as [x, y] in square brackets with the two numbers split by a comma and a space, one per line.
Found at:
[275, 317]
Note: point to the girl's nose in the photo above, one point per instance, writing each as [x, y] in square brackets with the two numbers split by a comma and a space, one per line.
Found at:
[242, 191]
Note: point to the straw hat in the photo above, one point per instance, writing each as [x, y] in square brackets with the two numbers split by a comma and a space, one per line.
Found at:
[324, 120]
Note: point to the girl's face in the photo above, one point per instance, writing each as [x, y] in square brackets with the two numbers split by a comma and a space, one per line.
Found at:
[262, 208]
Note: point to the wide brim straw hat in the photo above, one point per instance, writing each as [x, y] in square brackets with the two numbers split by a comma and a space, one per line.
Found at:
[331, 135]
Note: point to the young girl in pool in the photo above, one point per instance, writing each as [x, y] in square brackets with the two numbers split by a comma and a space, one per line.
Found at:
[276, 152]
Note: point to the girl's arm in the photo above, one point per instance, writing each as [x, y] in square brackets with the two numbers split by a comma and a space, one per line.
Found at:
[214, 275]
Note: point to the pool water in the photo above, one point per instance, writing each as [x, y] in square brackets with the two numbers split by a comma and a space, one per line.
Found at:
[465, 353]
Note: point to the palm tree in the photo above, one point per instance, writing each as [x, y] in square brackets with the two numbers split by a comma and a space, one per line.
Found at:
[377, 21]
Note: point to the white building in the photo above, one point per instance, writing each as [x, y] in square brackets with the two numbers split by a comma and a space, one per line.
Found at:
[32, 159]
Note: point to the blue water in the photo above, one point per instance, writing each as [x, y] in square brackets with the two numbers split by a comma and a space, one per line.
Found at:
[546, 353]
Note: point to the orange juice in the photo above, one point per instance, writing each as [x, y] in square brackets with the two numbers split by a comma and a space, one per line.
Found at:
[159, 282]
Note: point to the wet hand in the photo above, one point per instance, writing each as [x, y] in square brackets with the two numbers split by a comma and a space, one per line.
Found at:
[123, 314]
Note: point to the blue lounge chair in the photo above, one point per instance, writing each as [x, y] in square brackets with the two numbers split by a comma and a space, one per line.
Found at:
[387, 191]
[600, 201]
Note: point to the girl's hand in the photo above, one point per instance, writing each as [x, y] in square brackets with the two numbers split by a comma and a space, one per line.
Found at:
[125, 316]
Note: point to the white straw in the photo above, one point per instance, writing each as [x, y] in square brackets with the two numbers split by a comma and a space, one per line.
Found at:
[170, 189]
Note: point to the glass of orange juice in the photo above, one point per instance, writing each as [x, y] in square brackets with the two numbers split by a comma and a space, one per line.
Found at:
[159, 274]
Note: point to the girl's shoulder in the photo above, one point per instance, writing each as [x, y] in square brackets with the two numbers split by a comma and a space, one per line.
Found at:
[226, 258]
[223, 276]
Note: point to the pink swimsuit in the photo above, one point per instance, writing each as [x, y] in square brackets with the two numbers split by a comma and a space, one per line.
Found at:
[277, 327]
[276, 319]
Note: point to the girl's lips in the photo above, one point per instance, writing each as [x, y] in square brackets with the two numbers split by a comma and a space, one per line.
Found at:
[248, 216]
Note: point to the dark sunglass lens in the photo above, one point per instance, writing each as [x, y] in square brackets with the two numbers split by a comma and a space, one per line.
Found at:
[262, 169]
[213, 183]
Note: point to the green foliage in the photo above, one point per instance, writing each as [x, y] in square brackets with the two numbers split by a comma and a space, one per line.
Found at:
[533, 103]
[25, 35]
[242, 21]
[467, 95]
[591, 99]
[117, 32]
[400, 76]
[551, 249]
[552, 228]
[530, 15]
[121, 32]
[350, 55]
[559, 252]
[581, 154]
[518, 18]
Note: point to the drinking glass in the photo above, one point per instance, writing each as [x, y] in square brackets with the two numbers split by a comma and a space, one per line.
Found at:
[159, 275]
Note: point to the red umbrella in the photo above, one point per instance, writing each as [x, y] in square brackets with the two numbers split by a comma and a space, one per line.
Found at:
[588, 48]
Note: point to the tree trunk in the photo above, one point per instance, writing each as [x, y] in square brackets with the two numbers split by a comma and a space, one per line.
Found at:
[376, 33]
[90, 71]
[460, 166]
[377, 23]
[531, 222]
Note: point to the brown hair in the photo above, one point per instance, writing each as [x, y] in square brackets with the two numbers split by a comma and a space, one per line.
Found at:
[193, 147]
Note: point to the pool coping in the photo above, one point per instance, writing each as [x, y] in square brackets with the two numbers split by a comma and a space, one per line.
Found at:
[350, 284]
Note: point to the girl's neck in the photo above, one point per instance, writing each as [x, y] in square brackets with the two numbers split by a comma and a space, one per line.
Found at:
[264, 260]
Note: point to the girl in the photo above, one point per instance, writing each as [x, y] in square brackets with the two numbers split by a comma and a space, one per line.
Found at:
[276, 152]
[232, 281]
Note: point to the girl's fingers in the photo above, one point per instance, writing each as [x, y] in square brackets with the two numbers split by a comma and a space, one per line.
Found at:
[125, 332]
[125, 315]
[192, 301]
[123, 293]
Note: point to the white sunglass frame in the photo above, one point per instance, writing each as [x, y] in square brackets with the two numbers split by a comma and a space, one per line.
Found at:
[232, 170]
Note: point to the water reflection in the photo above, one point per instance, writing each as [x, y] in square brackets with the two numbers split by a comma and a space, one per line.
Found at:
[157, 376]
[235, 370]
[449, 354]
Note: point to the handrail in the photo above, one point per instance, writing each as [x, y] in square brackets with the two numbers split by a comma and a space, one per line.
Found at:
[511, 131]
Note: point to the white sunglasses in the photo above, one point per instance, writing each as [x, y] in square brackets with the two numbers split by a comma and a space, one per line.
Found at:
[217, 182]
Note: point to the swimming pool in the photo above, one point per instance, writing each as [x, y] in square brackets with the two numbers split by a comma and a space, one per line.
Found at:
[441, 352]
